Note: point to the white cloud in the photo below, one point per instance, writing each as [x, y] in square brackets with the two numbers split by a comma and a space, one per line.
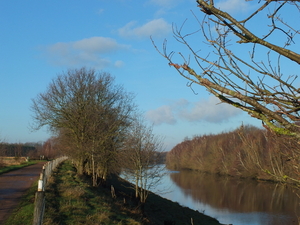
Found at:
[163, 3]
[97, 44]
[119, 63]
[205, 110]
[100, 11]
[156, 27]
[210, 110]
[233, 5]
[161, 115]
[92, 51]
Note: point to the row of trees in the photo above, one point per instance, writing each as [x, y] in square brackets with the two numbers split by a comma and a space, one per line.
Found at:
[32, 150]
[19, 149]
[246, 152]
[247, 59]
[247, 62]
[97, 125]
[88, 113]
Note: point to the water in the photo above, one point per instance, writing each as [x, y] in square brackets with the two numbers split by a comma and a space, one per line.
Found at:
[232, 201]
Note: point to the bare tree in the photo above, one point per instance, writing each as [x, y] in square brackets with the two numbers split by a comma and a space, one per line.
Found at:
[249, 76]
[50, 148]
[90, 114]
[141, 158]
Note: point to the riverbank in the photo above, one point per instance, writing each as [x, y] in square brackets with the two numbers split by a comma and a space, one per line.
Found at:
[157, 210]
[15, 165]
[235, 201]
[70, 199]
[246, 152]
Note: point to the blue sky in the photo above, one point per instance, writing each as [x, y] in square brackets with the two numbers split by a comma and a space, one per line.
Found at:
[40, 39]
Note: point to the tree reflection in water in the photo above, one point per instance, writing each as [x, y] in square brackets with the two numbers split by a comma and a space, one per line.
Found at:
[236, 201]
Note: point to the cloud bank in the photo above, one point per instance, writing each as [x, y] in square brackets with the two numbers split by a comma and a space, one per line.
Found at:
[163, 114]
[205, 110]
[155, 28]
[92, 51]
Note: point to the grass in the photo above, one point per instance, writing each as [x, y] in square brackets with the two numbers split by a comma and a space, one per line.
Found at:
[15, 167]
[70, 199]
[23, 214]
[157, 210]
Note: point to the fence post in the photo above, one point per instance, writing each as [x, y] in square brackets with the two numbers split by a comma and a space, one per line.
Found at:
[39, 207]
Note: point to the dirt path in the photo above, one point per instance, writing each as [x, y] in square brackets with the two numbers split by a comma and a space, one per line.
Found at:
[13, 185]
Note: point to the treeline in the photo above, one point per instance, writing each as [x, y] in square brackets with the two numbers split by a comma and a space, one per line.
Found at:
[98, 126]
[89, 114]
[18, 149]
[34, 150]
[245, 152]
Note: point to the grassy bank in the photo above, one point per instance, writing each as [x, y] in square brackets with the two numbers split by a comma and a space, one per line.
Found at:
[71, 199]
[246, 152]
[23, 214]
[15, 167]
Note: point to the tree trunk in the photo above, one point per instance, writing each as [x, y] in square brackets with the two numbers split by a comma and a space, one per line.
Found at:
[93, 172]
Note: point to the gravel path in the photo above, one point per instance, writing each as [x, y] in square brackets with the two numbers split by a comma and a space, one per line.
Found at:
[13, 185]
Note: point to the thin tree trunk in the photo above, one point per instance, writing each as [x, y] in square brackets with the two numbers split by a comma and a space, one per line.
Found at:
[93, 172]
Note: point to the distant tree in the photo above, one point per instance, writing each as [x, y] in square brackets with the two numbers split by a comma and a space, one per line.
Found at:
[2, 147]
[246, 59]
[141, 158]
[90, 113]
[50, 148]
[245, 152]
[2, 152]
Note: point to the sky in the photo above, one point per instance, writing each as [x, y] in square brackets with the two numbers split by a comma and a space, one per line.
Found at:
[41, 39]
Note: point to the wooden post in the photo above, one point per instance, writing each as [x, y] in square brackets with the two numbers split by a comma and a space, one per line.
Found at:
[39, 207]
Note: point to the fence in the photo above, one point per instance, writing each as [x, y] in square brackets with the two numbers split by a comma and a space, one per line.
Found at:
[39, 203]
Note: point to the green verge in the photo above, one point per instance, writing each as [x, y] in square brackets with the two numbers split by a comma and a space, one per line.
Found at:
[16, 167]
[23, 214]
[70, 199]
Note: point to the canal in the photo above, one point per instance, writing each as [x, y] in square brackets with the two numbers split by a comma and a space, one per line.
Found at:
[232, 201]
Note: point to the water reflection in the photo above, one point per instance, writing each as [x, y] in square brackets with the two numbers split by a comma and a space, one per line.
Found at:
[240, 202]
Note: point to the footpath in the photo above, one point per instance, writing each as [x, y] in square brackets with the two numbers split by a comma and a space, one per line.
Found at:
[13, 185]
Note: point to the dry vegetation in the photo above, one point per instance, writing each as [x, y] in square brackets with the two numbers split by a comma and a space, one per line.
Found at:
[244, 152]
[11, 161]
